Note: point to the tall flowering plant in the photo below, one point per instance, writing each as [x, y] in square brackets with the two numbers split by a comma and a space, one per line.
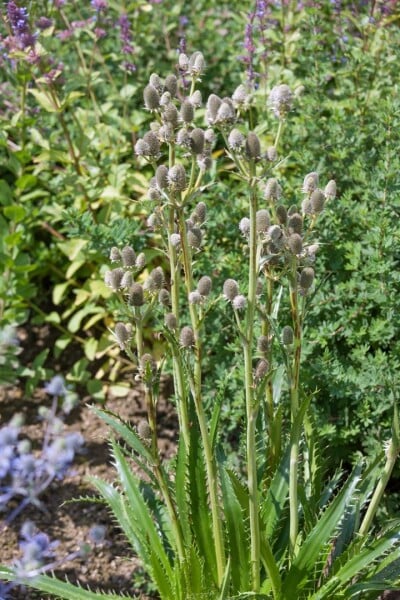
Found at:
[277, 527]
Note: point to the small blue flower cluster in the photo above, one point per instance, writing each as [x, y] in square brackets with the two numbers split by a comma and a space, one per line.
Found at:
[25, 474]
[38, 554]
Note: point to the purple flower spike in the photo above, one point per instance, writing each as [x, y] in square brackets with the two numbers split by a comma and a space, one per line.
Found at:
[56, 386]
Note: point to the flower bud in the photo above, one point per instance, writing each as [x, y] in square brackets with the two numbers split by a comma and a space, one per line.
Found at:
[253, 146]
[165, 99]
[142, 148]
[177, 178]
[239, 302]
[186, 338]
[209, 137]
[183, 138]
[275, 233]
[295, 243]
[175, 239]
[183, 62]
[262, 221]
[136, 296]
[287, 335]
[226, 112]
[128, 256]
[157, 275]
[196, 64]
[166, 133]
[204, 285]
[126, 280]
[230, 289]
[306, 278]
[151, 97]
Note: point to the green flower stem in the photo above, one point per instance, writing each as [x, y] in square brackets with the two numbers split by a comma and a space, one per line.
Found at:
[157, 467]
[251, 404]
[391, 458]
[197, 397]
[294, 406]
[279, 133]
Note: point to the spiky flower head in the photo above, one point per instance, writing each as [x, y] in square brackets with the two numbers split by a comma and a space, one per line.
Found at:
[310, 182]
[271, 154]
[170, 115]
[226, 114]
[164, 297]
[209, 137]
[155, 81]
[195, 99]
[230, 289]
[281, 214]
[295, 223]
[317, 201]
[262, 220]
[263, 343]
[175, 239]
[140, 262]
[183, 62]
[136, 295]
[158, 277]
[196, 64]
[240, 97]
[244, 226]
[239, 302]
[295, 243]
[187, 111]
[306, 278]
[287, 336]
[143, 429]
[162, 177]
[123, 334]
[261, 369]
[253, 146]
[195, 297]
[272, 190]
[177, 178]
[183, 138]
[126, 280]
[151, 140]
[170, 321]
[128, 256]
[330, 190]
[115, 255]
[280, 100]
[275, 233]
[186, 337]
[213, 104]
[171, 84]
[204, 285]
[200, 212]
[151, 97]
[194, 237]
[197, 140]
[113, 278]
[236, 140]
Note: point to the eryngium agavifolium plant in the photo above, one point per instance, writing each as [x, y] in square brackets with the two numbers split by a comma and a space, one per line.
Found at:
[276, 526]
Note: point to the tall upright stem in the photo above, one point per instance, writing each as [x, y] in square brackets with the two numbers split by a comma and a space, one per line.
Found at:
[251, 403]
